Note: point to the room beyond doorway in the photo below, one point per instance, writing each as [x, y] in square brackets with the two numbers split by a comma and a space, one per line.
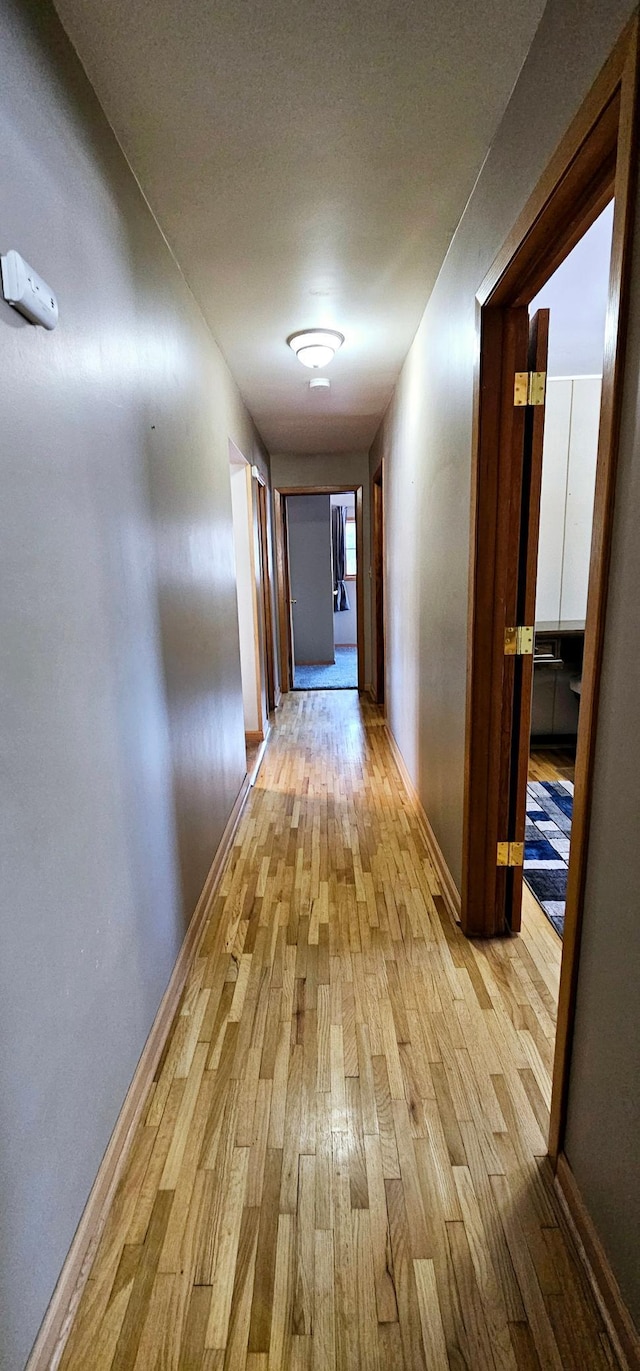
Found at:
[342, 674]
[323, 573]
[319, 564]
[575, 297]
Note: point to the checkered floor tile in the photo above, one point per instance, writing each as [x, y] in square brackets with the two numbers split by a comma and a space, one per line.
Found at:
[546, 845]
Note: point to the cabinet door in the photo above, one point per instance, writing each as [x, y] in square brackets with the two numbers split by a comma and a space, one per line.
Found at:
[555, 456]
[542, 701]
[581, 479]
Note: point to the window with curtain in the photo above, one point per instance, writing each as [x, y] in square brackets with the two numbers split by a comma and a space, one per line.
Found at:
[339, 557]
[351, 565]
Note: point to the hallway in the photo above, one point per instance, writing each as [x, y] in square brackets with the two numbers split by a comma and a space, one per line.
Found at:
[341, 1163]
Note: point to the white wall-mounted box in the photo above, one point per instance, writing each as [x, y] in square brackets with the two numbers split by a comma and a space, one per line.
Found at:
[27, 292]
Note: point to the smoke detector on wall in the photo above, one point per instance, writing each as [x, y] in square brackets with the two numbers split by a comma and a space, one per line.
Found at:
[319, 383]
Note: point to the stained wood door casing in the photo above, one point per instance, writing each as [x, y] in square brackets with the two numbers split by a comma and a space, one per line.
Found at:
[266, 594]
[378, 581]
[489, 718]
[283, 590]
[528, 521]
[508, 552]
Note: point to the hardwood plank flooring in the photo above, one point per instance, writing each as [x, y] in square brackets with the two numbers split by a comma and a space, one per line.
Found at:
[552, 764]
[342, 1160]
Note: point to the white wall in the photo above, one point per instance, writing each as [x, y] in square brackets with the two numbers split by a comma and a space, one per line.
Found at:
[245, 592]
[345, 623]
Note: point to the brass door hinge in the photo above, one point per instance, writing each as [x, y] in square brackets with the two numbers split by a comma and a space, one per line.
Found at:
[529, 387]
[510, 854]
[518, 642]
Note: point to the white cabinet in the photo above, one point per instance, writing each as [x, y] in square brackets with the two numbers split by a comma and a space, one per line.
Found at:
[557, 432]
[581, 481]
[566, 512]
[570, 450]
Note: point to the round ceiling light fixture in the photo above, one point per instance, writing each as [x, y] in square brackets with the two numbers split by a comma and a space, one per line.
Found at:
[316, 347]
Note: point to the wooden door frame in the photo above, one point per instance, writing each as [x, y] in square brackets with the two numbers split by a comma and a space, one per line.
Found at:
[283, 590]
[241, 464]
[261, 506]
[377, 582]
[595, 161]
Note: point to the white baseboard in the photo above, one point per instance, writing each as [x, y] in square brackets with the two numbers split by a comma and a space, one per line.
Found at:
[259, 755]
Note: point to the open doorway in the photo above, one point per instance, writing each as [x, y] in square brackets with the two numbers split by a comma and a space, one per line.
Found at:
[323, 577]
[319, 541]
[377, 559]
[255, 628]
[593, 167]
[575, 297]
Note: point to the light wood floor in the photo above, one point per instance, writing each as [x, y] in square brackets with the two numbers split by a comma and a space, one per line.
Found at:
[342, 1161]
[552, 764]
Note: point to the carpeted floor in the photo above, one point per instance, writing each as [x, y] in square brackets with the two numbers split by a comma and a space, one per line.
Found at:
[546, 846]
[341, 675]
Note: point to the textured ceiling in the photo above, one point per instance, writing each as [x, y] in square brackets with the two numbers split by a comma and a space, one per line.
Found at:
[308, 164]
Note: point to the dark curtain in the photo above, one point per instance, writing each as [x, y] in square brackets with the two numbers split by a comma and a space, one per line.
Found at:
[338, 522]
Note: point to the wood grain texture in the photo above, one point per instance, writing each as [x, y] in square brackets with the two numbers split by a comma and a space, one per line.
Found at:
[552, 764]
[349, 1172]
[498, 464]
[624, 1335]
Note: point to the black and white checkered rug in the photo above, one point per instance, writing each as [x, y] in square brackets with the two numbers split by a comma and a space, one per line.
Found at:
[546, 845]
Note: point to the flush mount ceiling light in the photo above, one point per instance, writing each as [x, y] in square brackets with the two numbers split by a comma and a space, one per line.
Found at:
[316, 347]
